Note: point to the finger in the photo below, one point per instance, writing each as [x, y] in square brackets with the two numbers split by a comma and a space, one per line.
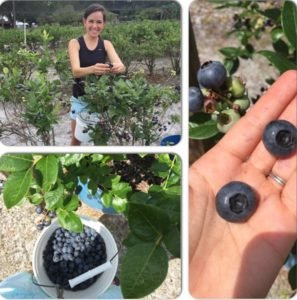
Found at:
[289, 195]
[246, 134]
[283, 168]
[264, 161]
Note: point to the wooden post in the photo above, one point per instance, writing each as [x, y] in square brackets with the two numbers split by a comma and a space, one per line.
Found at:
[194, 62]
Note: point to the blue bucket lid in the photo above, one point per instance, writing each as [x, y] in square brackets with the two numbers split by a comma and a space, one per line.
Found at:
[170, 140]
[93, 201]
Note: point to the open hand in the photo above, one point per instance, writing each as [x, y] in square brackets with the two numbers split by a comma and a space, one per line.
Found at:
[241, 260]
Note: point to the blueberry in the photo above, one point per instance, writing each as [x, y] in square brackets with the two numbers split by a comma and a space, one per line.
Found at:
[236, 202]
[196, 99]
[227, 119]
[40, 226]
[280, 138]
[236, 87]
[38, 209]
[52, 214]
[241, 104]
[47, 222]
[212, 75]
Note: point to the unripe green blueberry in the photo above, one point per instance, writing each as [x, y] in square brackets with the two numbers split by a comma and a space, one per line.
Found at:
[242, 104]
[227, 119]
[236, 87]
[214, 116]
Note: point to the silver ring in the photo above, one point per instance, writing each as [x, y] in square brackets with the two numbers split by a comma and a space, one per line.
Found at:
[277, 179]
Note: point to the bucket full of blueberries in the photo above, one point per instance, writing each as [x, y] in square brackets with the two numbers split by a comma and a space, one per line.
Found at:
[78, 265]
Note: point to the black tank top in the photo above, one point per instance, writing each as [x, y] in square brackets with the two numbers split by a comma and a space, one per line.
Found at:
[88, 58]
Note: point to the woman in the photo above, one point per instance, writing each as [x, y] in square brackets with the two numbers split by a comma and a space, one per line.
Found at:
[88, 55]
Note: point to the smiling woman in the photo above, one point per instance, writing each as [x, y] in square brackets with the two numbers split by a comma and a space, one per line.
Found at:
[88, 55]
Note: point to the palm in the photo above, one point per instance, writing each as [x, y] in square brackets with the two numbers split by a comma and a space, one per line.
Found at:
[266, 238]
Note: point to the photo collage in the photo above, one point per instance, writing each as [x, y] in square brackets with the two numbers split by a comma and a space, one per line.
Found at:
[148, 149]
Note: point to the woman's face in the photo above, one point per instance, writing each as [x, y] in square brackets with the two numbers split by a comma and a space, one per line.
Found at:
[94, 24]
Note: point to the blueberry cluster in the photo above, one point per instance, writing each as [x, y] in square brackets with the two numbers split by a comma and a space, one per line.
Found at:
[69, 254]
[2, 182]
[241, 22]
[45, 216]
[222, 96]
[136, 169]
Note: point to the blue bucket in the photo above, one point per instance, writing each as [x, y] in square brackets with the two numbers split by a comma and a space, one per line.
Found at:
[93, 201]
[170, 140]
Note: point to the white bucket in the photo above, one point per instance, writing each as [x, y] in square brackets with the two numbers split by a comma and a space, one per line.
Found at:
[83, 120]
[99, 286]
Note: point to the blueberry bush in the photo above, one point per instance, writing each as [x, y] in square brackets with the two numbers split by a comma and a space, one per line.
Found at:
[36, 81]
[131, 110]
[50, 183]
[223, 99]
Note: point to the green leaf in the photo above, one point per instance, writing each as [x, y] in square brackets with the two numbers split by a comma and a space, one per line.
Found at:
[271, 13]
[160, 169]
[131, 240]
[69, 220]
[143, 269]
[278, 60]
[172, 241]
[289, 22]
[107, 198]
[97, 157]
[121, 189]
[119, 204]
[48, 166]
[36, 199]
[276, 34]
[70, 159]
[147, 222]
[171, 206]
[232, 52]
[292, 278]
[54, 198]
[72, 204]
[203, 131]
[231, 65]
[200, 117]
[281, 47]
[139, 197]
[92, 185]
[16, 187]
[174, 190]
[15, 162]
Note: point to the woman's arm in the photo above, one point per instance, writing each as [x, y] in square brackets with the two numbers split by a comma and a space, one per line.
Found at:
[77, 70]
[118, 66]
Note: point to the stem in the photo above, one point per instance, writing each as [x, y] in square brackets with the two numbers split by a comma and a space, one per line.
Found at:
[170, 171]
[222, 98]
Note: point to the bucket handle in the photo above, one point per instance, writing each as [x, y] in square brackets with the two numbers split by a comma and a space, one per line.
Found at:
[59, 289]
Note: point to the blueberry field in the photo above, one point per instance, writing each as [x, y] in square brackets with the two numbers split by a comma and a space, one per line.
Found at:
[36, 83]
